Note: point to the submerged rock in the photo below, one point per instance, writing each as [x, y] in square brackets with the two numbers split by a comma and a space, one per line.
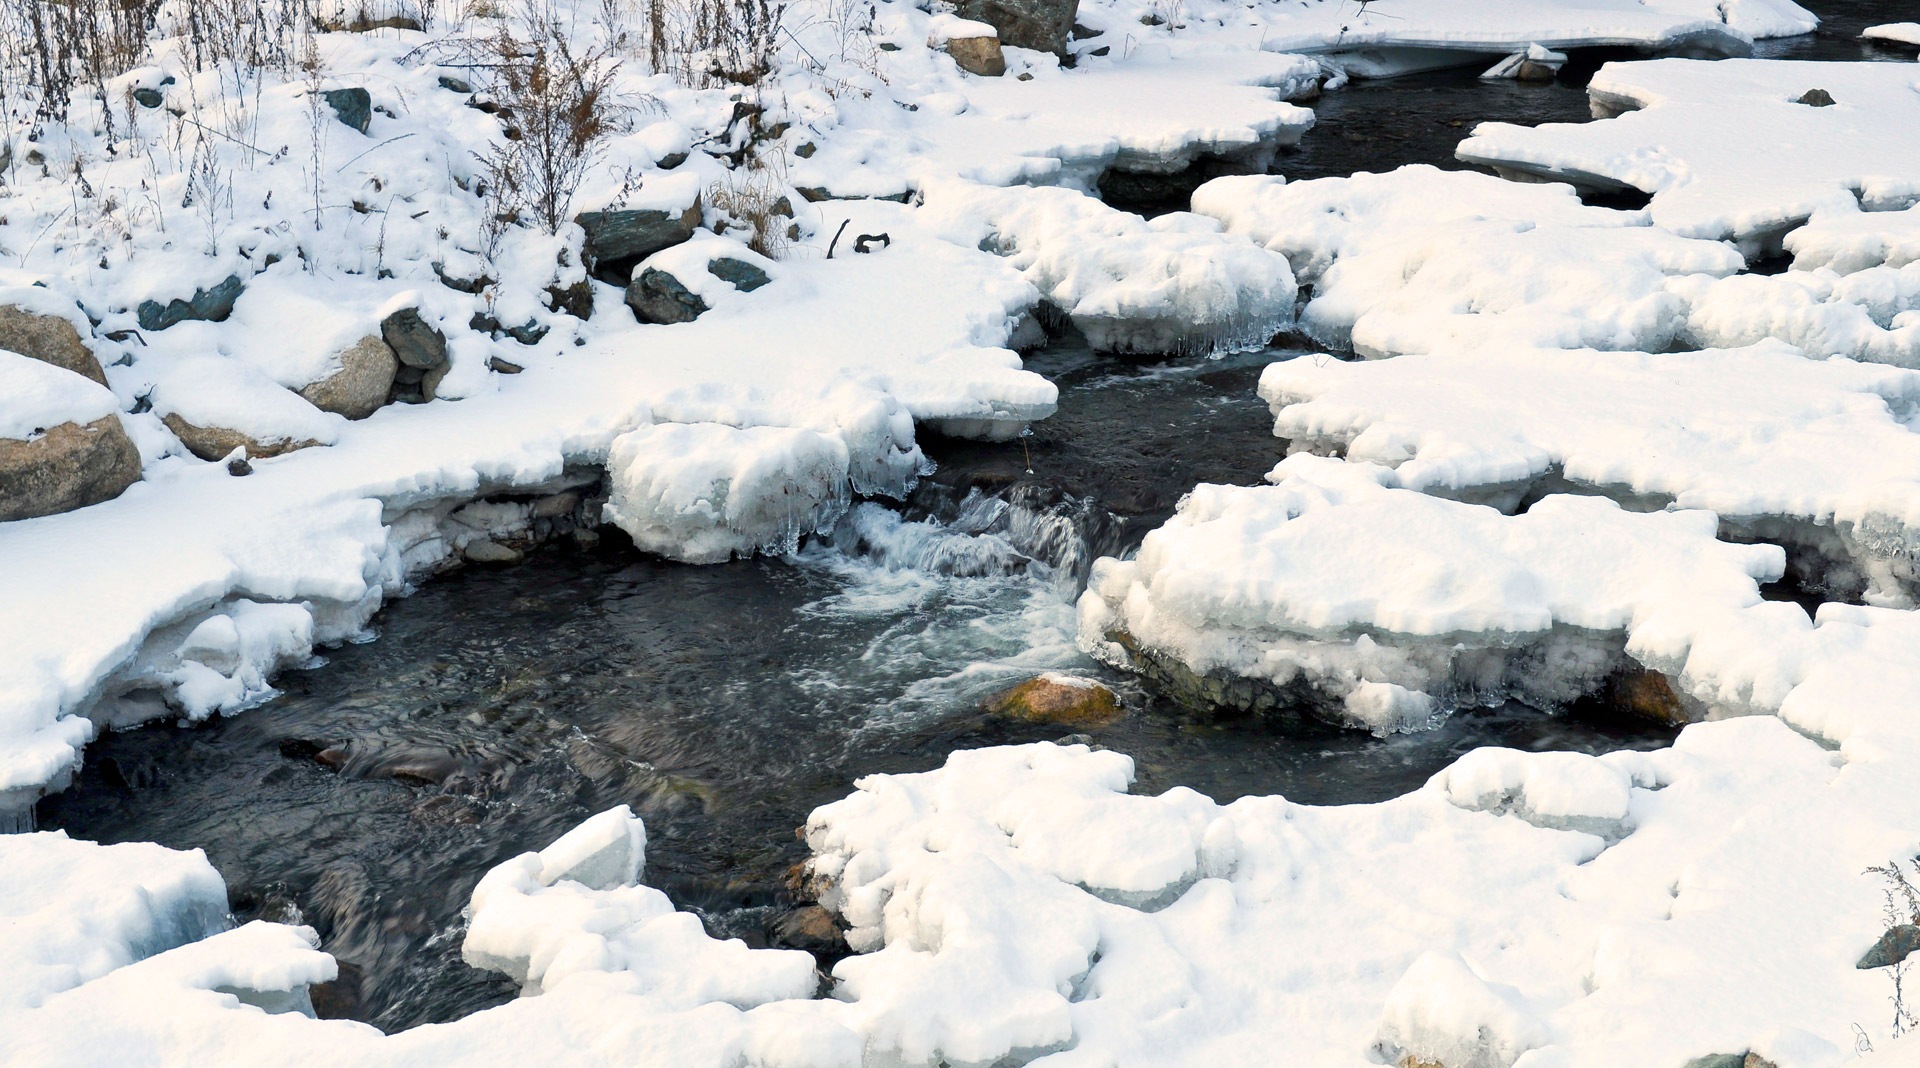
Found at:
[361, 385]
[212, 305]
[49, 339]
[69, 466]
[1060, 699]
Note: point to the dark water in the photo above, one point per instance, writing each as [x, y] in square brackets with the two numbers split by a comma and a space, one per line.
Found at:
[502, 705]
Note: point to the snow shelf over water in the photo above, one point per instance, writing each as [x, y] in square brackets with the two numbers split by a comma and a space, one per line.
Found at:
[1727, 149]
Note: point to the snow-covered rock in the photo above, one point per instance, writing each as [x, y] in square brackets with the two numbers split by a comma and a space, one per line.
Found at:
[217, 404]
[62, 443]
[1384, 608]
[1703, 138]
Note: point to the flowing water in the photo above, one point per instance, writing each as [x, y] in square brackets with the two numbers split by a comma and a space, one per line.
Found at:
[499, 706]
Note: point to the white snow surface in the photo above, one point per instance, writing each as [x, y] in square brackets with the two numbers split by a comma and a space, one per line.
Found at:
[1705, 139]
[209, 391]
[1419, 258]
[40, 395]
[1847, 239]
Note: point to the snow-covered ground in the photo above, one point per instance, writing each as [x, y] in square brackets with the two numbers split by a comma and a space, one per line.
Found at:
[1588, 440]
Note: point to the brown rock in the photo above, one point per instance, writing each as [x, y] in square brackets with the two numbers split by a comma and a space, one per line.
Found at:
[810, 928]
[1055, 699]
[49, 339]
[978, 55]
[1643, 694]
[70, 466]
[1532, 70]
[213, 443]
[361, 385]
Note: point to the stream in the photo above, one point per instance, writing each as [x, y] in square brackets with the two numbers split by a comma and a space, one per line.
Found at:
[499, 706]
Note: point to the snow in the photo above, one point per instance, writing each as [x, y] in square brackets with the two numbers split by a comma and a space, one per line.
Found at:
[40, 395]
[1848, 240]
[1419, 258]
[1171, 284]
[1897, 32]
[1867, 315]
[210, 391]
[1335, 578]
[1704, 139]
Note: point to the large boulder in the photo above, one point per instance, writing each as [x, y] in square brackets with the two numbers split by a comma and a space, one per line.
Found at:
[49, 339]
[1042, 25]
[362, 384]
[619, 238]
[61, 443]
[216, 404]
[213, 305]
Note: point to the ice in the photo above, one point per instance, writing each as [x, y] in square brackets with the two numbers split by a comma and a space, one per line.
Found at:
[40, 395]
[1849, 240]
[1172, 284]
[71, 912]
[1866, 316]
[1907, 33]
[1420, 258]
[1703, 138]
[1334, 587]
[1747, 433]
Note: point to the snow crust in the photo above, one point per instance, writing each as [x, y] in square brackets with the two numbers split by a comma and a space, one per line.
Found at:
[40, 395]
[1702, 138]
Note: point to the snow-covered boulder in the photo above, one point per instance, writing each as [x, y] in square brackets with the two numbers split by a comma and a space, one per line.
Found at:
[62, 445]
[1703, 138]
[1173, 284]
[1334, 594]
[36, 322]
[1897, 33]
[216, 405]
[682, 283]
[1442, 1013]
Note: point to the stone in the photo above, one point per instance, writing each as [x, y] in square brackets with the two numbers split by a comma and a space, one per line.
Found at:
[1818, 98]
[1895, 946]
[670, 160]
[1058, 699]
[352, 106]
[811, 928]
[212, 305]
[1646, 695]
[558, 504]
[414, 341]
[455, 85]
[216, 443]
[361, 385]
[614, 237]
[739, 274]
[658, 297]
[69, 466]
[1532, 70]
[978, 55]
[49, 339]
[505, 367]
[575, 300]
[485, 551]
[147, 97]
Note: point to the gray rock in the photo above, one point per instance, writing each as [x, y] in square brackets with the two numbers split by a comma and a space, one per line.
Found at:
[353, 106]
[70, 466]
[1718, 1060]
[214, 443]
[630, 234]
[1894, 946]
[212, 305]
[1818, 98]
[361, 385]
[416, 342]
[740, 274]
[147, 97]
[978, 55]
[658, 297]
[1038, 24]
[49, 339]
[491, 552]
[452, 84]
[505, 367]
